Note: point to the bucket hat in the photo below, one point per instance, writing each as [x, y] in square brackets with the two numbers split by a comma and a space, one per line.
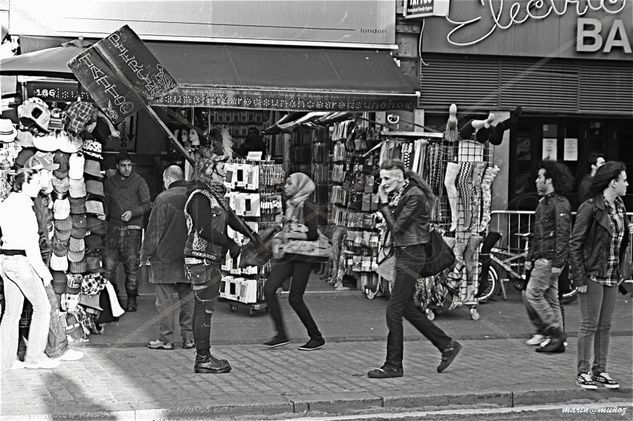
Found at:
[8, 133]
[95, 187]
[92, 167]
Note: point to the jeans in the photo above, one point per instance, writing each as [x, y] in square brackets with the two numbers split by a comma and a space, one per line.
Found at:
[541, 329]
[166, 306]
[300, 272]
[123, 246]
[21, 281]
[401, 304]
[596, 309]
[542, 294]
[205, 296]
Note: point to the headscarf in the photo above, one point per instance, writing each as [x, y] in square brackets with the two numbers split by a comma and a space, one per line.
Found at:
[302, 188]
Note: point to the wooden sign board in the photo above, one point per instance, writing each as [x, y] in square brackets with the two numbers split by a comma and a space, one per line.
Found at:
[124, 50]
[113, 95]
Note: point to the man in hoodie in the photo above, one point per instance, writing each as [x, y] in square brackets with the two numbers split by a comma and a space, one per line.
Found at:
[126, 201]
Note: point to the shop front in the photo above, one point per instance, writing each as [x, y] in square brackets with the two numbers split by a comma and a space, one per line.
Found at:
[567, 63]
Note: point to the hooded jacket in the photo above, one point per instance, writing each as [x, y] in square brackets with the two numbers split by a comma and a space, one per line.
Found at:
[131, 194]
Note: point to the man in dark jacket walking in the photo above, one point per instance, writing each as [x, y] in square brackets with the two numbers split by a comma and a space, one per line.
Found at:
[548, 253]
[163, 250]
[126, 200]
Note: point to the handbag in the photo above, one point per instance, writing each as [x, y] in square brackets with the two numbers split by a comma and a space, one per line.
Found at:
[320, 249]
[259, 253]
[439, 255]
[386, 259]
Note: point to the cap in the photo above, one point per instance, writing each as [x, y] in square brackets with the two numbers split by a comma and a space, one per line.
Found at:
[23, 156]
[77, 188]
[62, 235]
[94, 263]
[96, 225]
[95, 207]
[76, 256]
[65, 224]
[61, 158]
[59, 282]
[61, 209]
[61, 185]
[80, 221]
[93, 167]
[95, 187]
[76, 165]
[24, 139]
[92, 148]
[77, 267]
[60, 247]
[76, 245]
[41, 160]
[79, 114]
[59, 263]
[77, 205]
[93, 241]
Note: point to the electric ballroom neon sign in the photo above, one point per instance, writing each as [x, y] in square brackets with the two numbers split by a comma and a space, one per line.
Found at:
[507, 14]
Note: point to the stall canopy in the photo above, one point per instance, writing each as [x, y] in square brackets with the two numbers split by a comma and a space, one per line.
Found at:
[260, 77]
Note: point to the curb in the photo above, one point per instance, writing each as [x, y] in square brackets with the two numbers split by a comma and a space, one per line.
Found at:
[328, 403]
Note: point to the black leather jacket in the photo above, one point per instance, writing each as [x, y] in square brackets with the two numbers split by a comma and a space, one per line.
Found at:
[551, 229]
[590, 242]
[409, 222]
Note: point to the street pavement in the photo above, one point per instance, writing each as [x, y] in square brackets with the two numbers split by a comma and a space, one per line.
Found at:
[119, 378]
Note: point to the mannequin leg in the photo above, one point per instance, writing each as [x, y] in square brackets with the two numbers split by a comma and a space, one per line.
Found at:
[452, 169]
[466, 190]
[486, 193]
[478, 173]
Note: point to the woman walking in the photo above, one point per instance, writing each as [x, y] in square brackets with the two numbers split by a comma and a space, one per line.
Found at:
[25, 274]
[300, 212]
[597, 251]
[406, 202]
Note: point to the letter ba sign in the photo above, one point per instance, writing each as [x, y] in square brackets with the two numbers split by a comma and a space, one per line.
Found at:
[120, 72]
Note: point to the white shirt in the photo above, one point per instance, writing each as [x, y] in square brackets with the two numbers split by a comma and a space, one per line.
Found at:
[20, 230]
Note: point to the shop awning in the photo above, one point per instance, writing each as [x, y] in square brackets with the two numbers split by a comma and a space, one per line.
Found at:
[259, 77]
[285, 78]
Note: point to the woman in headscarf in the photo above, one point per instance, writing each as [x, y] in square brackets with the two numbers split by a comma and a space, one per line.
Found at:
[206, 245]
[25, 274]
[299, 223]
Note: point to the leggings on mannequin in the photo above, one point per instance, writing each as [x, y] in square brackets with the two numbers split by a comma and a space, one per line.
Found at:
[452, 169]
[469, 255]
[466, 190]
[478, 173]
[486, 195]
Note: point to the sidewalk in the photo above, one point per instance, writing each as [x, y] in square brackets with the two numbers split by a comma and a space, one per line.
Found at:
[138, 383]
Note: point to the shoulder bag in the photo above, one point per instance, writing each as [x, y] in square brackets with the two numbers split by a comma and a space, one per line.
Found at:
[439, 255]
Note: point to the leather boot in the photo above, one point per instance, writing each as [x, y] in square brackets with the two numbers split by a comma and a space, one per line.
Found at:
[556, 343]
[209, 364]
[131, 305]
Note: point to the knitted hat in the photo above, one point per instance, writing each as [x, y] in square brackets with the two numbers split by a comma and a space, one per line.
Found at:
[77, 188]
[77, 267]
[76, 165]
[61, 209]
[92, 148]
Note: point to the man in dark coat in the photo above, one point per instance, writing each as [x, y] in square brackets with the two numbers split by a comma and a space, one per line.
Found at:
[163, 250]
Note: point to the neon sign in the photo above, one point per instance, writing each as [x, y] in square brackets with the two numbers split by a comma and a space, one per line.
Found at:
[506, 14]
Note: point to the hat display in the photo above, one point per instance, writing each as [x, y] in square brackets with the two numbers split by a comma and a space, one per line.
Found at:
[79, 115]
[92, 148]
[73, 283]
[77, 267]
[77, 205]
[61, 209]
[41, 160]
[59, 282]
[8, 133]
[93, 167]
[34, 111]
[65, 224]
[24, 138]
[69, 143]
[76, 165]
[60, 247]
[61, 185]
[77, 188]
[95, 187]
[59, 263]
[93, 241]
[23, 156]
[95, 207]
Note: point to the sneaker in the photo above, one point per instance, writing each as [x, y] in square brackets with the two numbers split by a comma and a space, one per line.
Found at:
[158, 344]
[43, 362]
[385, 372]
[71, 355]
[17, 365]
[586, 381]
[545, 342]
[312, 345]
[606, 380]
[448, 355]
[277, 341]
[536, 339]
[188, 344]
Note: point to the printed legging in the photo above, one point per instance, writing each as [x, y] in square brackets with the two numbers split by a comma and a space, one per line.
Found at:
[486, 194]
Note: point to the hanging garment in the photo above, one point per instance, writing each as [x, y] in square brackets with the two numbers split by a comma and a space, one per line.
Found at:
[452, 169]
[464, 179]
[486, 193]
[478, 173]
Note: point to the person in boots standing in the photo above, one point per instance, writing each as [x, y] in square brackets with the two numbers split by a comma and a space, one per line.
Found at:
[205, 248]
[406, 202]
[127, 200]
[548, 253]
[598, 255]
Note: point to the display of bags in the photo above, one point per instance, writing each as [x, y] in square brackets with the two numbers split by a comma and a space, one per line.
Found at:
[439, 255]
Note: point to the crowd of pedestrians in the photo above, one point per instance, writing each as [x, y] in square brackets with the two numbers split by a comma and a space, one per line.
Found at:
[187, 237]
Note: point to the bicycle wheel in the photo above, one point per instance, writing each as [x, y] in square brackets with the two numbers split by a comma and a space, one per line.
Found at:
[491, 287]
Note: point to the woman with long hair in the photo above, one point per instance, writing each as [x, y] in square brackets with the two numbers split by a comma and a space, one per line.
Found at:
[597, 251]
[300, 212]
[406, 203]
[25, 274]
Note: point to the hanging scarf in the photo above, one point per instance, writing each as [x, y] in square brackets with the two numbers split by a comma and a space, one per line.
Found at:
[301, 189]
[395, 199]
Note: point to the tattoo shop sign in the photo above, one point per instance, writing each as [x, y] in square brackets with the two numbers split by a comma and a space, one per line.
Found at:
[121, 74]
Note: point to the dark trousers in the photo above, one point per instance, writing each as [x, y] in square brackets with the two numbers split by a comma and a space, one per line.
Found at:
[205, 296]
[408, 265]
[300, 272]
[167, 307]
[123, 246]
